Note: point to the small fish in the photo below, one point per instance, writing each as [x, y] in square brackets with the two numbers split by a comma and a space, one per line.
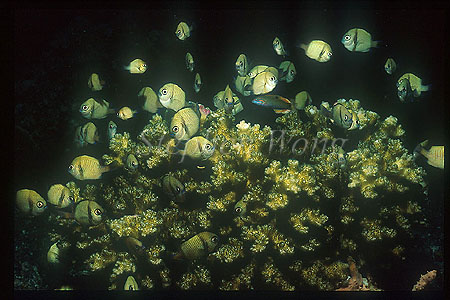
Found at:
[264, 83]
[318, 50]
[86, 134]
[91, 109]
[112, 129]
[218, 99]
[189, 62]
[302, 100]
[131, 284]
[173, 187]
[135, 246]
[341, 161]
[132, 163]
[151, 103]
[409, 86]
[53, 254]
[60, 196]
[185, 123]
[288, 71]
[435, 156]
[240, 208]
[242, 65]
[340, 115]
[278, 103]
[95, 83]
[358, 40]
[278, 47]
[256, 70]
[243, 85]
[88, 213]
[228, 99]
[197, 83]
[172, 96]
[183, 31]
[126, 113]
[86, 167]
[30, 202]
[390, 66]
[137, 66]
[198, 148]
[199, 245]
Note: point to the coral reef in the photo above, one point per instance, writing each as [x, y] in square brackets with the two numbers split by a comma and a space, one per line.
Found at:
[306, 196]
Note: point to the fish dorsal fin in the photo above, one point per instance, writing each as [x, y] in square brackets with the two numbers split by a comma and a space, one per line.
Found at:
[286, 100]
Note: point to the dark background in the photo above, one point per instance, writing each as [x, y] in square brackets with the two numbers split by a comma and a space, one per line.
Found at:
[55, 51]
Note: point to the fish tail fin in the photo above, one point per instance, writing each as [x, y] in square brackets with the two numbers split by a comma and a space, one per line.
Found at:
[111, 167]
[126, 68]
[419, 148]
[177, 256]
[111, 111]
[324, 111]
[376, 44]
[303, 46]
[425, 88]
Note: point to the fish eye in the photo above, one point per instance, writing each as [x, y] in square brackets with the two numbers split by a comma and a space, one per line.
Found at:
[272, 78]
[345, 118]
[238, 210]
[276, 42]
[178, 189]
[111, 126]
[85, 107]
[40, 204]
[330, 54]
[71, 199]
[282, 244]
[347, 37]
[241, 63]
[70, 167]
[214, 239]
[133, 163]
[208, 146]
[175, 129]
[292, 72]
[98, 212]
[179, 31]
[164, 92]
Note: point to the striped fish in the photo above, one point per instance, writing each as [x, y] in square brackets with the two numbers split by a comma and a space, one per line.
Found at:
[435, 156]
[199, 245]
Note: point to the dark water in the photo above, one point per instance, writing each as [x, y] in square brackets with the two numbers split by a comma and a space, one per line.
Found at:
[61, 48]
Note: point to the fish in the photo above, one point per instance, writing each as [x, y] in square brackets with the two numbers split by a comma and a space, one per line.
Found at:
[242, 64]
[183, 31]
[302, 99]
[172, 96]
[256, 70]
[240, 208]
[86, 167]
[132, 163]
[131, 284]
[151, 103]
[95, 83]
[340, 115]
[318, 50]
[199, 245]
[137, 66]
[53, 254]
[278, 103]
[88, 213]
[197, 83]
[243, 85]
[288, 71]
[189, 62]
[198, 148]
[173, 187]
[341, 161]
[112, 129]
[278, 47]
[29, 201]
[91, 109]
[264, 83]
[60, 196]
[218, 100]
[86, 134]
[358, 40]
[135, 246]
[126, 113]
[228, 99]
[390, 66]
[409, 86]
[185, 123]
[435, 156]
